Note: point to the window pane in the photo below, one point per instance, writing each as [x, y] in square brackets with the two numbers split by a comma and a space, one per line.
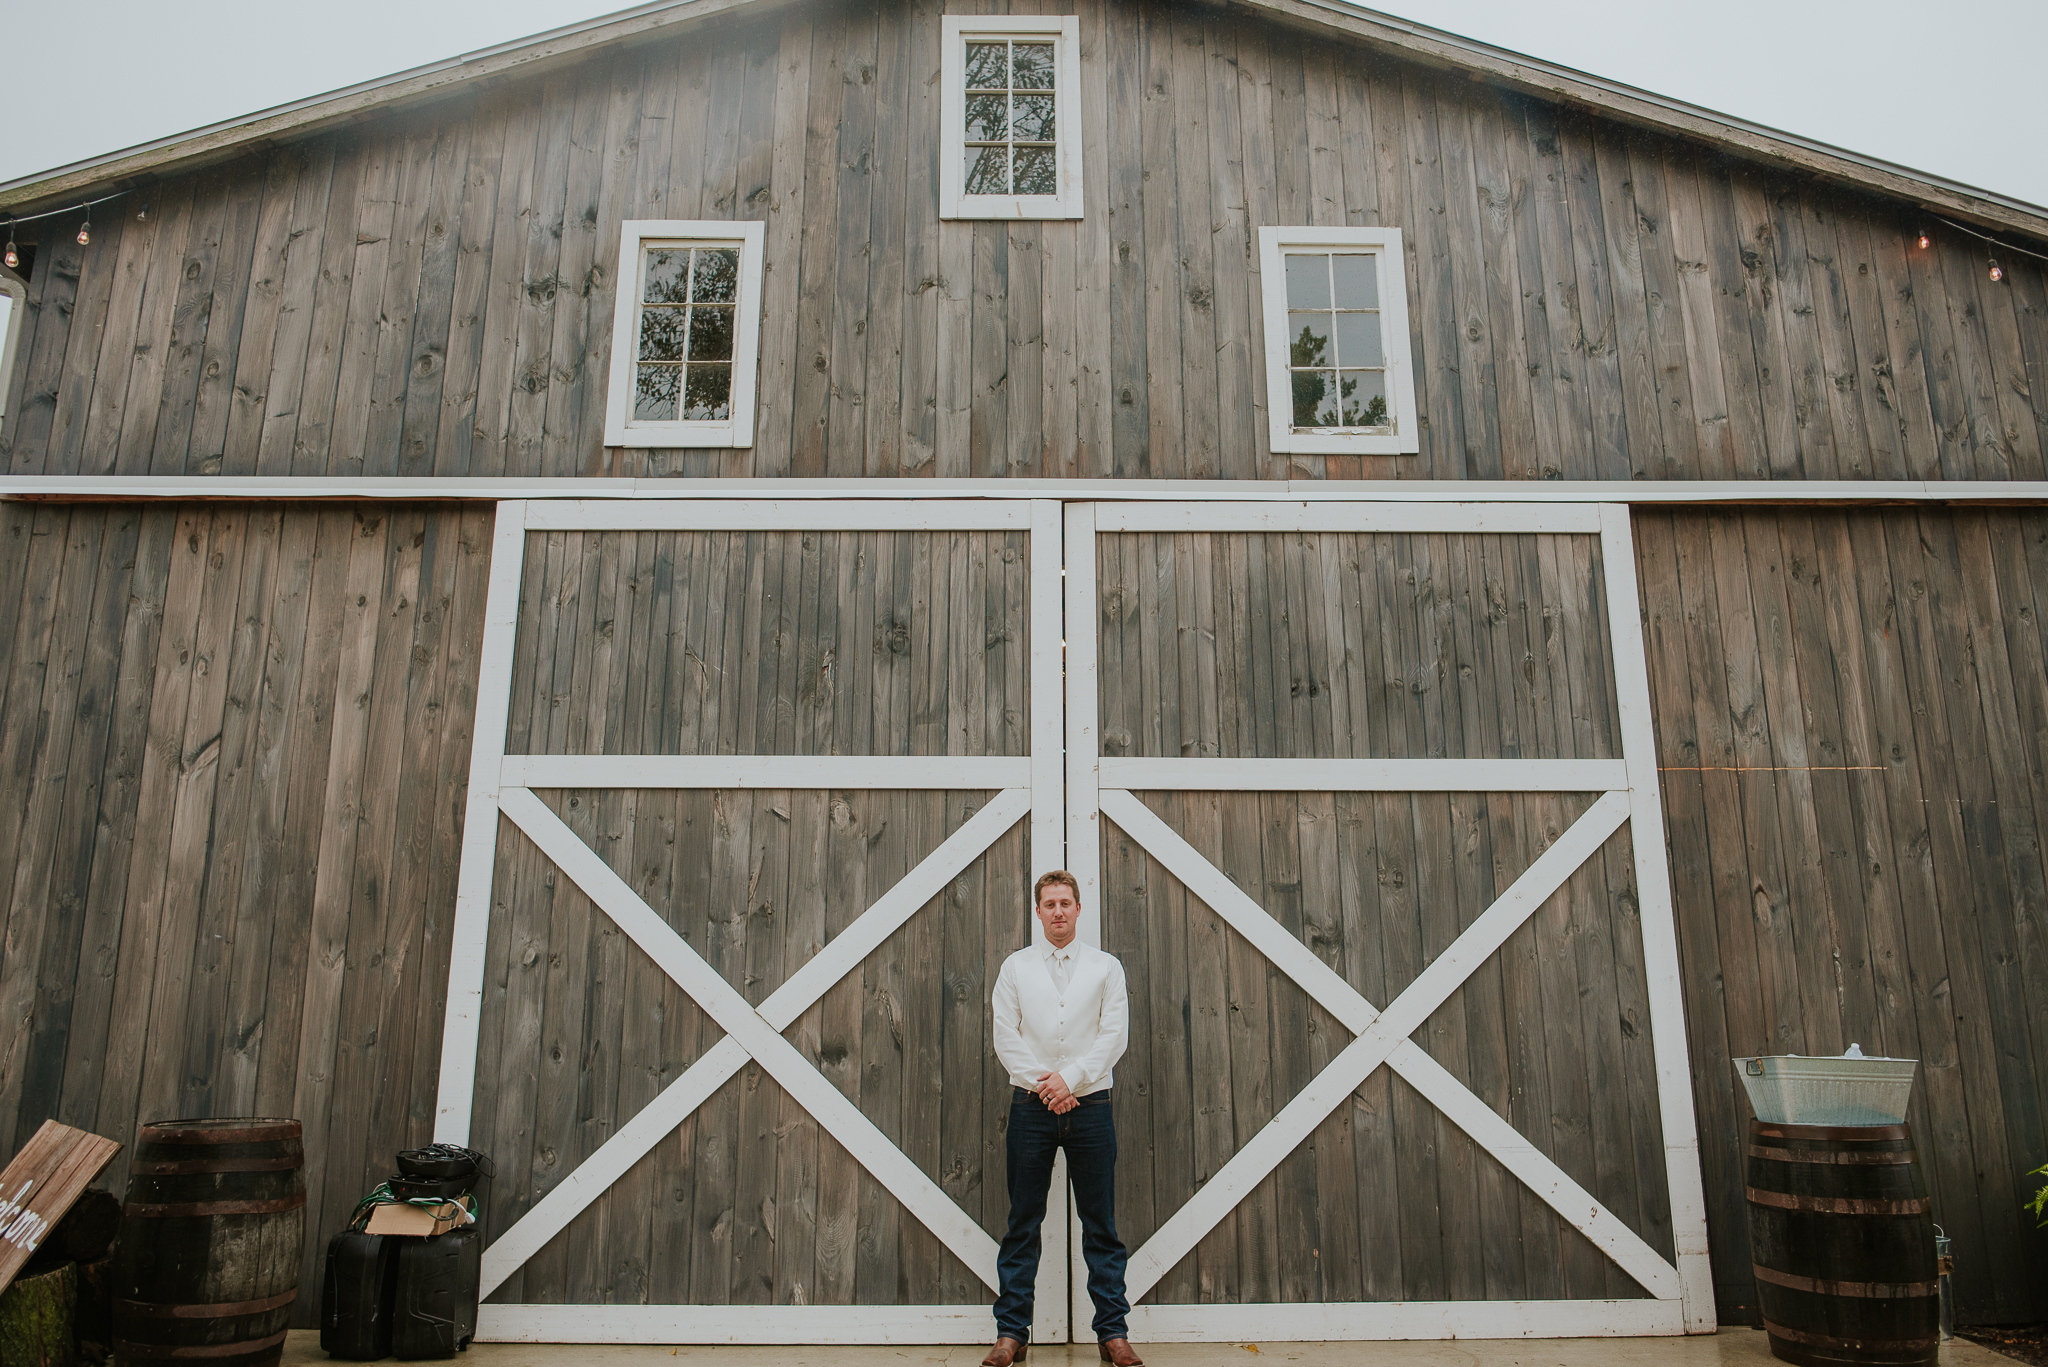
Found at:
[661, 334]
[988, 171]
[1310, 386]
[709, 398]
[718, 274]
[1358, 339]
[1358, 281]
[1036, 174]
[711, 333]
[1309, 339]
[988, 66]
[667, 275]
[1030, 118]
[1034, 66]
[654, 392]
[987, 118]
[1308, 282]
[1364, 395]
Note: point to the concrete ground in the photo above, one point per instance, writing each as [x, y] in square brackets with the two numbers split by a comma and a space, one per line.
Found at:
[1730, 1346]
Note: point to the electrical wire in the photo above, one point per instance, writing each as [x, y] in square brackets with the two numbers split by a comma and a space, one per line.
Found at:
[2003, 246]
[11, 220]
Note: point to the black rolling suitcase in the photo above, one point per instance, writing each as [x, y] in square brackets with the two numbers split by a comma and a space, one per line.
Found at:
[356, 1295]
[434, 1315]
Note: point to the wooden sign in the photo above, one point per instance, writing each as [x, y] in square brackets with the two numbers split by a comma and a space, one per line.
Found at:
[40, 1185]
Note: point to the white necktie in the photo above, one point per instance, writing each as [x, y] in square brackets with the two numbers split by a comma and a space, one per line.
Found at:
[1062, 969]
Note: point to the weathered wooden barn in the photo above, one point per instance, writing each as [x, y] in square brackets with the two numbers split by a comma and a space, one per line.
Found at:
[559, 600]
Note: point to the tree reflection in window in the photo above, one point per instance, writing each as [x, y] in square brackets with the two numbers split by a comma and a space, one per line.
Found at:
[1336, 353]
[1010, 136]
[688, 299]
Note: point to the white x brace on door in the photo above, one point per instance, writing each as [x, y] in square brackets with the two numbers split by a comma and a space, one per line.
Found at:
[501, 785]
[1679, 1297]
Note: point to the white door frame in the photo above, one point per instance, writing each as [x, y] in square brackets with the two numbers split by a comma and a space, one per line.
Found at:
[500, 785]
[1681, 1296]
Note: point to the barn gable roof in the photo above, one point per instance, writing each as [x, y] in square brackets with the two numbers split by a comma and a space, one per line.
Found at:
[1416, 42]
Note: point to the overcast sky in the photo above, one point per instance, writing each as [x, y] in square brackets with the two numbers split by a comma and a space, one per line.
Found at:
[1947, 86]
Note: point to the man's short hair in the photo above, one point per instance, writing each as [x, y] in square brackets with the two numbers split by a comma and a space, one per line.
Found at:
[1056, 876]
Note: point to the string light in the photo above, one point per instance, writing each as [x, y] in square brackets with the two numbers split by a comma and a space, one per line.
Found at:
[1997, 271]
[1925, 242]
[12, 256]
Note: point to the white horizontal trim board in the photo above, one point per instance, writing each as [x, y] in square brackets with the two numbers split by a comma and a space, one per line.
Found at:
[687, 514]
[1338, 516]
[767, 771]
[786, 491]
[793, 1324]
[1364, 775]
[1349, 1320]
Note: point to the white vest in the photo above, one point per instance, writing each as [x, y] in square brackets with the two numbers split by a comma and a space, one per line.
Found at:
[1079, 1033]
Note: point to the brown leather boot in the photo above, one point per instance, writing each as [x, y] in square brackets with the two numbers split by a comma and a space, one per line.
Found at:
[1006, 1351]
[1120, 1352]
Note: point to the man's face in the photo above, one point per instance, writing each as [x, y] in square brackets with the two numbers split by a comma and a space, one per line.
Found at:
[1058, 911]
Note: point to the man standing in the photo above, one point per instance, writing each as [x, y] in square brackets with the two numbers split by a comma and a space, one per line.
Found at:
[1061, 1023]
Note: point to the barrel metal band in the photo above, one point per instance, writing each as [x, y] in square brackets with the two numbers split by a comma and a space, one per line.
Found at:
[158, 1310]
[142, 1352]
[1863, 1133]
[184, 1209]
[1839, 1205]
[1854, 1345]
[1897, 1157]
[1872, 1290]
[183, 1166]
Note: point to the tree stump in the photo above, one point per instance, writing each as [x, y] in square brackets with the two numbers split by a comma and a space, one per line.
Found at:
[35, 1319]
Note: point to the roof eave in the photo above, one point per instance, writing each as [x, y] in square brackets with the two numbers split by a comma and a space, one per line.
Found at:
[1648, 110]
[1508, 70]
[183, 152]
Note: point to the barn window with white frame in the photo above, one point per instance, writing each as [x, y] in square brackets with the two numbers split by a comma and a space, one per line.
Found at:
[686, 333]
[1012, 145]
[1337, 365]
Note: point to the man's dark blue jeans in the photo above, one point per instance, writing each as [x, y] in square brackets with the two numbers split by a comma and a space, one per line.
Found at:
[1088, 1134]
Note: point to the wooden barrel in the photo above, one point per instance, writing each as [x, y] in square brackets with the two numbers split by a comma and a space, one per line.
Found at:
[207, 1265]
[1843, 1245]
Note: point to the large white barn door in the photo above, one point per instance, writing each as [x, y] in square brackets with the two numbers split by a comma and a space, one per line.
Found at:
[1399, 643]
[752, 1038]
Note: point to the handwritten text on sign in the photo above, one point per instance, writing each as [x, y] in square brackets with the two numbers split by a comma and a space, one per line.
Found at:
[40, 1185]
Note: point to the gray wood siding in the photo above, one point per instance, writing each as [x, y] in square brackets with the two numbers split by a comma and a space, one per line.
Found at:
[236, 741]
[1851, 711]
[430, 292]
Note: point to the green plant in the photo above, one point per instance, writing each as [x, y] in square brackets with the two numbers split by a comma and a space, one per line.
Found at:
[2039, 1205]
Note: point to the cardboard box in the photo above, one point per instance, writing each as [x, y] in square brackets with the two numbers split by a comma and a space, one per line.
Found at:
[420, 1221]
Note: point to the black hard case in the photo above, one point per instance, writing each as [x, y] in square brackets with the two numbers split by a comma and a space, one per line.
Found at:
[356, 1295]
[438, 1284]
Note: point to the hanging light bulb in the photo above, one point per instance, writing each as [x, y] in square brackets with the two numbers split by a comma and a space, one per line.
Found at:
[85, 231]
[1925, 242]
[1996, 272]
[11, 258]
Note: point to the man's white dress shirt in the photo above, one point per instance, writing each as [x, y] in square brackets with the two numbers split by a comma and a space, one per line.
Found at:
[1061, 1010]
